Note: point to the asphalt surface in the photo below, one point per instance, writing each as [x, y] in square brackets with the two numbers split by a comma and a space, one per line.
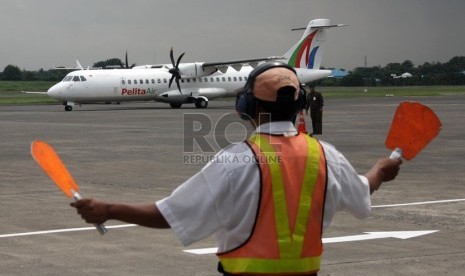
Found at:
[136, 153]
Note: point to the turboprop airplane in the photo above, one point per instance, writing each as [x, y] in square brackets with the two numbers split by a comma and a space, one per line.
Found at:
[196, 82]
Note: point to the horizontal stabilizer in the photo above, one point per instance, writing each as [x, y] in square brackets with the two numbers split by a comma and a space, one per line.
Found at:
[318, 27]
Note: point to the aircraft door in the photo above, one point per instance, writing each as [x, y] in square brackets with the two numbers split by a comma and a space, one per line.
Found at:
[123, 85]
[123, 82]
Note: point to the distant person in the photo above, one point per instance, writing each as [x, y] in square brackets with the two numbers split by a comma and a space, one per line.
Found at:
[267, 205]
[315, 104]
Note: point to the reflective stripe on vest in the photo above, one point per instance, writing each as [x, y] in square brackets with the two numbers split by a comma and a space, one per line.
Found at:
[291, 238]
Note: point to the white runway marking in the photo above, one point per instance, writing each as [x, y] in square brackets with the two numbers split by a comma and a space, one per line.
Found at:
[363, 237]
[62, 231]
[131, 225]
[419, 203]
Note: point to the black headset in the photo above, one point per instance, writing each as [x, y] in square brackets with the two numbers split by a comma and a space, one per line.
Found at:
[245, 100]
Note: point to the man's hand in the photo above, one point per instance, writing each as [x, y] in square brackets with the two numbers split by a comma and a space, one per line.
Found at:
[384, 170]
[92, 211]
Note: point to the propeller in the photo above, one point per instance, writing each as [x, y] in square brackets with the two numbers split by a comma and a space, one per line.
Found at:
[176, 75]
[126, 64]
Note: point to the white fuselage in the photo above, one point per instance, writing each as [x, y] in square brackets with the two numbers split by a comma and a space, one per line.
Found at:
[85, 86]
[115, 85]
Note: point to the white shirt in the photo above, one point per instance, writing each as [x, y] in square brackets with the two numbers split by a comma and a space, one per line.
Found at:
[222, 198]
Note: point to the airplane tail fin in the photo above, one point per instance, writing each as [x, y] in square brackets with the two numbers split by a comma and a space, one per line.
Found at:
[308, 51]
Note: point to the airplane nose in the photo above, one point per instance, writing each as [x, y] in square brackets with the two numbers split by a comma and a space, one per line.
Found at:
[53, 91]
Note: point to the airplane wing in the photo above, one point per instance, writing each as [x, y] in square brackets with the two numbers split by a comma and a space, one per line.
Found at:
[32, 92]
[221, 66]
[78, 67]
[237, 64]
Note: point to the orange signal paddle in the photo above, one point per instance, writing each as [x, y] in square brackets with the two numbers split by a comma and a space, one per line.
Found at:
[51, 163]
[414, 125]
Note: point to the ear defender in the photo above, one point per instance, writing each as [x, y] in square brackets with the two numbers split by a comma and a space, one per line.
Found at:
[245, 105]
[245, 100]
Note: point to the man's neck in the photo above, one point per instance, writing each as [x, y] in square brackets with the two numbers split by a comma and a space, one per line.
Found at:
[262, 118]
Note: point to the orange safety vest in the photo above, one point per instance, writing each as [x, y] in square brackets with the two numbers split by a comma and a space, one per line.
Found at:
[286, 238]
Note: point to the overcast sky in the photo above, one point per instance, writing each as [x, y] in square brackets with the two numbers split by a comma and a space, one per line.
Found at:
[46, 33]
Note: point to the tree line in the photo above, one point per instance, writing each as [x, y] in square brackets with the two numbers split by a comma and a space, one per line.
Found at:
[436, 73]
[14, 73]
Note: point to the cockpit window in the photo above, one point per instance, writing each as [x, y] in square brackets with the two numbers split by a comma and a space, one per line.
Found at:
[68, 78]
[76, 78]
[83, 78]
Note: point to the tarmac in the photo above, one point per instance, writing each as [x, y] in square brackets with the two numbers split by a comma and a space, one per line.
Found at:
[140, 152]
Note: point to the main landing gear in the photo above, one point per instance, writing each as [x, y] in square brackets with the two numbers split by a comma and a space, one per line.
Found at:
[201, 103]
[175, 105]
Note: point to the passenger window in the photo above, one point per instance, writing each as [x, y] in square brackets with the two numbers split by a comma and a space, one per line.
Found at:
[194, 80]
[223, 78]
[129, 81]
[206, 79]
[240, 78]
[212, 79]
[235, 79]
[229, 78]
[141, 81]
[217, 79]
[123, 82]
[164, 81]
[159, 80]
[147, 81]
[76, 78]
[135, 81]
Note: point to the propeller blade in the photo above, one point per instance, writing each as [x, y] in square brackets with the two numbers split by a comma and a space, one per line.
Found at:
[126, 60]
[171, 81]
[179, 61]
[177, 83]
[171, 57]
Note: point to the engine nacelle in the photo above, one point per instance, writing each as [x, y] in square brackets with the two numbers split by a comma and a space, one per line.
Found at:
[194, 70]
[172, 97]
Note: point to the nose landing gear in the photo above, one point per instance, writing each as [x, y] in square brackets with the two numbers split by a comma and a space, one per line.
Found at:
[68, 106]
